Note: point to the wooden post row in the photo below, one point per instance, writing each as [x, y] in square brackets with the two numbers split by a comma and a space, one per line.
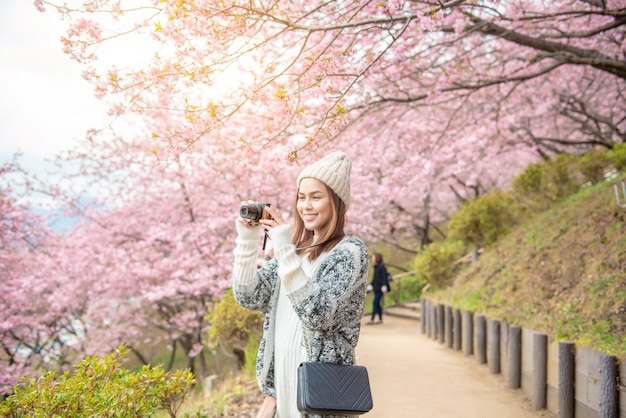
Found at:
[458, 330]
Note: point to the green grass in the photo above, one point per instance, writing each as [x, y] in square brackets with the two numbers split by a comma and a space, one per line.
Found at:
[562, 273]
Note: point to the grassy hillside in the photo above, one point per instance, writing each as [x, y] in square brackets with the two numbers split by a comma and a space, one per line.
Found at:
[562, 273]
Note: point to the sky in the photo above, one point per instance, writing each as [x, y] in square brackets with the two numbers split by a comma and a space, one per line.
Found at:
[45, 104]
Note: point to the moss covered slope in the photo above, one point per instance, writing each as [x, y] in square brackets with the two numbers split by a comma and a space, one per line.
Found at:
[563, 273]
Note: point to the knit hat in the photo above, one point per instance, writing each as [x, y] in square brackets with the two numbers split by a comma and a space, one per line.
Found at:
[334, 171]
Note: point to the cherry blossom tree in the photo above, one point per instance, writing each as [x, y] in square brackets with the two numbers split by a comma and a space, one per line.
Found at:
[155, 249]
[31, 324]
[467, 88]
[223, 101]
[152, 252]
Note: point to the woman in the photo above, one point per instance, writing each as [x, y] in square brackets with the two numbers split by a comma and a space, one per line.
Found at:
[313, 291]
[380, 286]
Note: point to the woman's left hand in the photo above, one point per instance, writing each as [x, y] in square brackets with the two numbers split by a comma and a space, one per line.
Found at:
[276, 219]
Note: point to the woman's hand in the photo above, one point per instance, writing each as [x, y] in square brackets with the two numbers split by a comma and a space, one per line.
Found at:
[275, 218]
[247, 222]
[267, 407]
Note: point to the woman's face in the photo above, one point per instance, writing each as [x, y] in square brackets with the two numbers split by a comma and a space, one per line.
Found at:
[314, 206]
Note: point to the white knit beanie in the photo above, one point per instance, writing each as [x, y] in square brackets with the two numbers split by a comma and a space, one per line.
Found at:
[334, 171]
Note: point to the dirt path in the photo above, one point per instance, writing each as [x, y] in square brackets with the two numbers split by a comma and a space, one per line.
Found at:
[414, 376]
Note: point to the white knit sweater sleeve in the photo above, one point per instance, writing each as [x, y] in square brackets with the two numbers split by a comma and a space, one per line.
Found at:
[289, 263]
[246, 253]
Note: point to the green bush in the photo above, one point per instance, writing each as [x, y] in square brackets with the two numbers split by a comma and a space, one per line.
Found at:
[482, 221]
[234, 329]
[529, 181]
[526, 191]
[250, 352]
[436, 264]
[593, 165]
[617, 157]
[100, 388]
[561, 178]
[541, 184]
[410, 288]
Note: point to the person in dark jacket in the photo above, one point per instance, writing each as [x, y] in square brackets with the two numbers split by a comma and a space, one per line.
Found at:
[380, 286]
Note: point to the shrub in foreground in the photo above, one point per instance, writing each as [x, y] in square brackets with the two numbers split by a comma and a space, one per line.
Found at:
[102, 388]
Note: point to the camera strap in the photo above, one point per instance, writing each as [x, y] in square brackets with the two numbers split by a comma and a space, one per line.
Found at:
[264, 239]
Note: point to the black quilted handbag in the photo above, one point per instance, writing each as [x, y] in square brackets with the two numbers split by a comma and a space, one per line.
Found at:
[333, 389]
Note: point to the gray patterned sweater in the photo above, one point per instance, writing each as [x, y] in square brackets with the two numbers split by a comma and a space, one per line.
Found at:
[329, 304]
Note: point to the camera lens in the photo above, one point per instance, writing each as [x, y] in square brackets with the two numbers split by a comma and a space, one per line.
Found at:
[252, 212]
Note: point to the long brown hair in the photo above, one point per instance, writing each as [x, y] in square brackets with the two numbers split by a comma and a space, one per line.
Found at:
[330, 235]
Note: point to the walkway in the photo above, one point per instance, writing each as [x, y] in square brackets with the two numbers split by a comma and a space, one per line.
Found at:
[414, 376]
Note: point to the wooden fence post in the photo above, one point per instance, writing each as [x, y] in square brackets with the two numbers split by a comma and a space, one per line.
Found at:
[423, 315]
[608, 387]
[429, 323]
[441, 323]
[493, 352]
[504, 348]
[449, 327]
[432, 320]
[515, 357]
[481, 339]
[540, 370]
[468, 333]
[457, 329]
[567, 375]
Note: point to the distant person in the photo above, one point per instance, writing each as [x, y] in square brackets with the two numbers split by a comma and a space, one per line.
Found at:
[380, 286]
